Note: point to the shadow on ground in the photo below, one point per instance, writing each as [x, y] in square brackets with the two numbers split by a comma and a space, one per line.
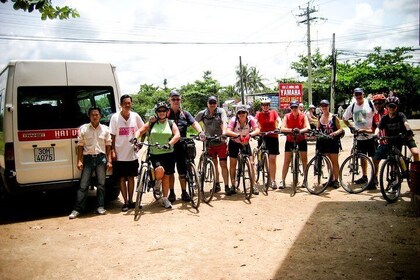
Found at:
[356, 240]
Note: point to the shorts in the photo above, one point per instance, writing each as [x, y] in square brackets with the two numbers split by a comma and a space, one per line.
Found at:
[167, 161]
[219, 150]
[234, 147]
[125, 168]
[383, 150]
[328, 146]
[302, 146]
[272, 145]
[180, 158]
[366, 147]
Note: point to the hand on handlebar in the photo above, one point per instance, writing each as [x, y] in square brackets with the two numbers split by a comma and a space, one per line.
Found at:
[352, 129]
[166, 146]
[244, 138]
[202, 136]
[296, 130]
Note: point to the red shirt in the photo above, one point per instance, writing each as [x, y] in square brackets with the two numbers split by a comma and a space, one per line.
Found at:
[267, 121]
[295, 122]
[377, 117]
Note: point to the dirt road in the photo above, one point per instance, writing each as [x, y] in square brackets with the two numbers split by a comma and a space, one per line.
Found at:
[332, 236]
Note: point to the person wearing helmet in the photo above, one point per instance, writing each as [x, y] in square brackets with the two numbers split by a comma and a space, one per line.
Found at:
[361, 111]
[330, 124]
[301, 107]
[312, 118]
[269, 120]
[166, 133]
[394, 124]
[379, 102]
[215, 121]
[294, 122]
[241, 127]
[183, 119]
[123, 126]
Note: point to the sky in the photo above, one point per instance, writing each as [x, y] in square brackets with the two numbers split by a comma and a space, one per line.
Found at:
[177, 40]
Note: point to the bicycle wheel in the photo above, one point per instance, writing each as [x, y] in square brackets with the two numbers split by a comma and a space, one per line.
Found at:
[265, 172]
[390, 179]
[295, 171]
[351, 176]
[257, 164]
[247, 182]
[318, 174]
[207, 180]
[142, 182]
[193, 185]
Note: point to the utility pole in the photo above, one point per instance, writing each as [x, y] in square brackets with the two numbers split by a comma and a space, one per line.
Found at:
[241, 82]
[307, 21]
[333, 75]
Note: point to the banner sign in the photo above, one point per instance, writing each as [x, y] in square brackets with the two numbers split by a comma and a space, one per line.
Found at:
[289, 92]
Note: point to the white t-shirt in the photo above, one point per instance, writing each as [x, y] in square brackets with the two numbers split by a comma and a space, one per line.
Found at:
[124, 130]
[362, 115]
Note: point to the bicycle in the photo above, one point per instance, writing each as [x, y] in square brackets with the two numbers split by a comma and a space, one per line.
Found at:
[394, 170]
[261, 157]
[351, 176]
[318, 172]
[207, 171]
[191, 177]
[146, 180]
[243, 170]
[294, 163]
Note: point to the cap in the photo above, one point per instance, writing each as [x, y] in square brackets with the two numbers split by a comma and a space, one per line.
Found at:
[241, 108]
[312, 106]
[324, 102]
[358, 90]
[212, 98]
[174, 93]
[294, 103]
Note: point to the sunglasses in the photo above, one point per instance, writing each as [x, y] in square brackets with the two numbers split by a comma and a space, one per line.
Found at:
[358, 94]
[175, 99]
[161, 111]
[265, 105]
[241, 112]
[378, 103]
[294, 107]
[212, 102]
[392, 106]
[324, 105]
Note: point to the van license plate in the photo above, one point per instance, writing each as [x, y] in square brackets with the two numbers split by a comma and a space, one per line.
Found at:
[44, 154]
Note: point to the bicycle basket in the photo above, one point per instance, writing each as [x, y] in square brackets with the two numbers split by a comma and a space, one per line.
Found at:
[189, 147]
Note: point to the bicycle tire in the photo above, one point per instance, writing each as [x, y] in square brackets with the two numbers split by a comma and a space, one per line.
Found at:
[350, 174]
[265, 172]
[318, 174]
[193, 185]
[390, 178]
[295, 171]
[142, 182]
[207, 180]
[257, 164]
[247, 182]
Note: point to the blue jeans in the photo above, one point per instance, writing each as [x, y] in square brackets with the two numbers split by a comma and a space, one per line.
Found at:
[90, 164]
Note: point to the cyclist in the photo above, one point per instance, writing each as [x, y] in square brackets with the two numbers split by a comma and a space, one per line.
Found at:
[395, 123]
[361, 111]
[301, 108]
[269, 120]
[215, 120]
[183, 119]
[294, 122]
[165, 133]
[312, 118]
[379, 102]
[330, 124]
[242, 126]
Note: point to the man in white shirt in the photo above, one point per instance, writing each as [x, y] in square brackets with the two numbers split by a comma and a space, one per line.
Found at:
[93, 154]
[123, 126]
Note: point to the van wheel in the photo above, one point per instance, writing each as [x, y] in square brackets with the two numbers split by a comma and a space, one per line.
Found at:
[112, 190]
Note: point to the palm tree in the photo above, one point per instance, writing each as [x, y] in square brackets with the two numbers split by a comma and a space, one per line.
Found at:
[251, 79]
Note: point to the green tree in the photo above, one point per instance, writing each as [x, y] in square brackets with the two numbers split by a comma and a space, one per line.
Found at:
[146, 98]
[44, 7]
[252, 81]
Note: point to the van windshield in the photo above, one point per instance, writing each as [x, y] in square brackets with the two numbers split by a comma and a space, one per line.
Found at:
[62, 106]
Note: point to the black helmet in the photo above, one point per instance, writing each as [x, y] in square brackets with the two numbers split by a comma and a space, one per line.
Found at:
[392, 100]
[161, 105]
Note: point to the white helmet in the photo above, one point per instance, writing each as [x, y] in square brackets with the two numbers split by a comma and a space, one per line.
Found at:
[265, 99]
[312, 106]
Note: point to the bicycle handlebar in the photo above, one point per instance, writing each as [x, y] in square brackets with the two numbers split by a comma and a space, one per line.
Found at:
[138, 144]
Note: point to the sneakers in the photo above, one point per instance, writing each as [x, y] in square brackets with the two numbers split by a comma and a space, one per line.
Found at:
[231, 190]
[172, 196]
[131, 205]
[227, 190]
[185, 196]
[255, 191]
[273, 185]
[281, 185]
[218, 189]
[73, 214]
[124, 208]
[362, 180]
[335, 184]
[373, 184]
[166, 203]
[100, 211]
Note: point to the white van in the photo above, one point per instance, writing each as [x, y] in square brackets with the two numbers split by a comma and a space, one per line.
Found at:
[42, 104]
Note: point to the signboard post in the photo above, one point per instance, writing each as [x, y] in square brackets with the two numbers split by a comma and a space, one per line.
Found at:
[289, 92]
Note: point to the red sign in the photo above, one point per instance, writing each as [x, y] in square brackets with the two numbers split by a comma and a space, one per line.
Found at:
[289, 92]
[50, 134]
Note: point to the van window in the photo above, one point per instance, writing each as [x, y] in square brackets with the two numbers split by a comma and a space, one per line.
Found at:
[61, 106]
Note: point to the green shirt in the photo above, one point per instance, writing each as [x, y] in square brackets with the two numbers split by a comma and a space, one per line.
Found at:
[160, 133]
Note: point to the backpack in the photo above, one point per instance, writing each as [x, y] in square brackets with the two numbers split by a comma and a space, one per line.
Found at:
[370, 104]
